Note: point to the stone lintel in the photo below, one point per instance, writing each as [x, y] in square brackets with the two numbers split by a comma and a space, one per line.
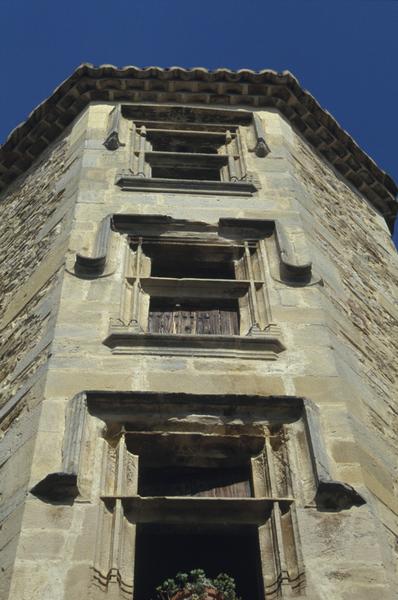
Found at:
[181, 509]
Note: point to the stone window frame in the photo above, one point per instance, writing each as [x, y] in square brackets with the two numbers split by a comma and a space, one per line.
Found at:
[259, 337]
[283, 258]
[291, 470]
[147, 120]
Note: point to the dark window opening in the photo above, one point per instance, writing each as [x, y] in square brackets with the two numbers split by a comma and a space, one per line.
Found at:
[218, 461]
[185, 142]
[192, 261]
[188, 172]
[218, 482]
[202, 316]
[178, 115]
[164, 550]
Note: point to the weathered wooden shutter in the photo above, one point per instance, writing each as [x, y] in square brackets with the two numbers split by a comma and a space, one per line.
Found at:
[160, 322]
[239, 489]
[199, 322]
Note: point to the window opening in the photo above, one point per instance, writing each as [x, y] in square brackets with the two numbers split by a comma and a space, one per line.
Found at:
[163, 445]
[218, 482]
[187, 145]
[192, 142]
[193, 260]
[193, 285]
[186, 155]
[220, 466]
[164, 550]
[177, 117]
[186, 172]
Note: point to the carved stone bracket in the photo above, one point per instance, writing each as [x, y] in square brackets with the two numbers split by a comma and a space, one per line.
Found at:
[331, 494]
[94, 265]
[62, 485]
[112, 141]
[291, 268]
[75, 418]
[261, 148]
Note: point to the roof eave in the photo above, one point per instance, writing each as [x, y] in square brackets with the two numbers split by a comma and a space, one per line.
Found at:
[245, 87]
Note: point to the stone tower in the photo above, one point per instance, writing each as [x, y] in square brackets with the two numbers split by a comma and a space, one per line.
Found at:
[198, 342]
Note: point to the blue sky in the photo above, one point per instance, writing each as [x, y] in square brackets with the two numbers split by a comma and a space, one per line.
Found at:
[345, 52]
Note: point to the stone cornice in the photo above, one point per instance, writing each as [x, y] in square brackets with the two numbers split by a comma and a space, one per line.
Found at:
[222, 87]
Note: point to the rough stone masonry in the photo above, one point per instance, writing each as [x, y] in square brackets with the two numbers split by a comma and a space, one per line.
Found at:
[198, 342]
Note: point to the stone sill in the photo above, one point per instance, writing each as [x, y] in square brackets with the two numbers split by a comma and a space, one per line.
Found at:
[129, 182]
[261, 347]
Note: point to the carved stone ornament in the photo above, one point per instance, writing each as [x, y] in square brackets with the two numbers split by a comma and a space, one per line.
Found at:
[112, 141]
[94, 265]
[261, 149]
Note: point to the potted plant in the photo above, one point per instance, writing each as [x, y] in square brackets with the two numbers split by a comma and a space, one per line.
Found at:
[195, 585]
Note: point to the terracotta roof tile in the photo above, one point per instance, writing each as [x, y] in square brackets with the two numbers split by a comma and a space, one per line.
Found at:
[256, 89]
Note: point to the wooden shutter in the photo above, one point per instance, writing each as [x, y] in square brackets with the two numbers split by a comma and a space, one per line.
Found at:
[160, 322]
[191, 322]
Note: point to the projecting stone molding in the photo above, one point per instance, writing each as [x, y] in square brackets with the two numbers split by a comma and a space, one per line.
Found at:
[129, 182]
[329, 494]
[266, 345]
[292, 269]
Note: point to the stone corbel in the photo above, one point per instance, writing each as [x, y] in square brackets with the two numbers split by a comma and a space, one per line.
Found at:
[62, 485]
[112, 141]
[75, 422]
[261, 148]
[94, 265]
[331, 494]
[291, 267]
[292, 270]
